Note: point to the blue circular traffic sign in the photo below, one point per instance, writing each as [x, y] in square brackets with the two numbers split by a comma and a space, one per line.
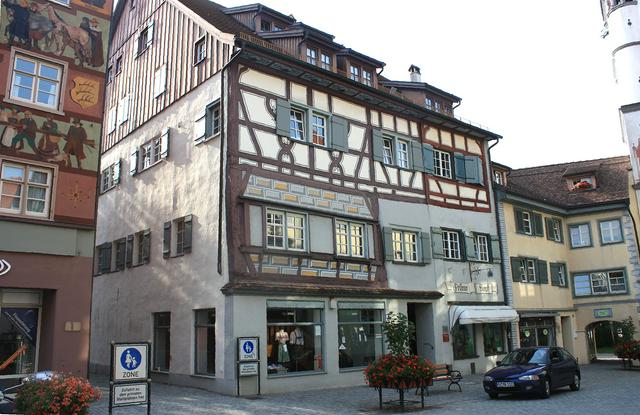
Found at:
[248, 347]
[130, 359]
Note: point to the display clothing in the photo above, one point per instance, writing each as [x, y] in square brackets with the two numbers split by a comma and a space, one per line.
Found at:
[296, 337]
[283, 352]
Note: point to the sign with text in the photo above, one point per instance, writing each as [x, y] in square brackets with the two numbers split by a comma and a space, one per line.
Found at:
[247, 349]
[603, 312]
[248, 369]
[130, 362]
[126, 394]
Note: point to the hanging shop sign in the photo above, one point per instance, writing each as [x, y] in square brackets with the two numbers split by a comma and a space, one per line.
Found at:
[130, 383]
[5, 267]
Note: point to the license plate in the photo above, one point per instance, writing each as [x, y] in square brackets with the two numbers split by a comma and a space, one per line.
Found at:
[505, 384]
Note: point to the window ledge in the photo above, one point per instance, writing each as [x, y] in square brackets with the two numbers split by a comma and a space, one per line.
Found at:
[201, 376]
[296, 374]
[466, 357]
[414, 264]
[204, 139]
[159, 372]
[352, 369]
[33, 106]
[612, 243]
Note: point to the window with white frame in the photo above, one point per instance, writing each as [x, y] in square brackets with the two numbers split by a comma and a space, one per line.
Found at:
[110, 177]
[213, 119]
[296, 125]
[319, 129]
[402, 153]
[285, 230]
[451, 244]
[405, 246]
[200, 51]
[325, 61]
[350, 239]
[580, 235]
[354, 73]
[600, 283]
[367, 78]
[387, 150]
[610, 232]
[118, 65]
[36, 81]
[556, 232]
[497, 177]
[481, 243]
[428, 102]
[442, 164]
[25, 189]
[150, 153]
[530, 265]
[437, 106]
[312, 56]
[526, 222]
[65, 2]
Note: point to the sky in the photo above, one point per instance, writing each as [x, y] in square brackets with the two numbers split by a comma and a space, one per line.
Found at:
[536, 72]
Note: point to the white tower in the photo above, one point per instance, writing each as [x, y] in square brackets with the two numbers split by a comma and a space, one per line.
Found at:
[622, 32]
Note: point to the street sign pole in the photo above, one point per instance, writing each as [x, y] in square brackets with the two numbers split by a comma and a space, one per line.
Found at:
[149, 380]
[129, 383]
[111, 369]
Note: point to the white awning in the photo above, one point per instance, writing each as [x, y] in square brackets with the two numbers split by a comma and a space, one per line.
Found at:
[477, 314]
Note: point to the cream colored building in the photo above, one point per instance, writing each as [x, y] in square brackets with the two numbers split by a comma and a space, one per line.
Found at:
[572, 260]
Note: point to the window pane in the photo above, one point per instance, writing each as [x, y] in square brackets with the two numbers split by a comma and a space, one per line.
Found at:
[617, 282]
[358, 343]
[296, 125]
[493, 339]
[411, 246]
[23, 65]
[319, 129]
[295, 231]
[162, 341]
[205, 341]
[294, 340]
[12, 173]
[49, 72]
[463, 341]
[357, 240]
[38, 177]
[398, 253]
[582, 285]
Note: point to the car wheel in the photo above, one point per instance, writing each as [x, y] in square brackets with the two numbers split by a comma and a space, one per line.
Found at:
[493, 395]
[576, 382]
[546, 391]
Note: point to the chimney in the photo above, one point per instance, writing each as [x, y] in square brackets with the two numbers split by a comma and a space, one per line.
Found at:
[414, 74]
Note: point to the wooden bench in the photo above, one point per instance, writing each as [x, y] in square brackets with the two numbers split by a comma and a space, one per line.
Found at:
[444, 372]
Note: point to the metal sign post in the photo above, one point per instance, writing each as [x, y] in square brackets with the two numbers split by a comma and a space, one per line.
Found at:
[129, 383]
[248, 360]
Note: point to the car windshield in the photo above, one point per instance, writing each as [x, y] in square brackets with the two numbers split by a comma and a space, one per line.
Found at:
[526, 356]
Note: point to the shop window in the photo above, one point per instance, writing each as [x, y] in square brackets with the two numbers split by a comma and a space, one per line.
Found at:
[580, 235]
[494, 339]
[350, 239]
[537, 332]
[25, 190]
[18, 340]
[464, 345]
[611, 232]
[600, 283]
[161, 341]
[295, 337]
[205, 340]
[359, 336]
[36, 81]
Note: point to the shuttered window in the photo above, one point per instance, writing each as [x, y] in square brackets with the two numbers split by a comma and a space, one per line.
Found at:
[529, 270]
[554, 229]
[558, 274]
[442, 164]
[468, 169]
[400, 151]
[178, 236]
[110, 177]
[528, 222]
[350, 239]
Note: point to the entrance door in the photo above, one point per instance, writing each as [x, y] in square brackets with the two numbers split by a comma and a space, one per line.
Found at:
[18, 339]
[422, 315]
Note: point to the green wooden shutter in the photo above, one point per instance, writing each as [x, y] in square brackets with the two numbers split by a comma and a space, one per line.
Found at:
[437, 247]
[416, 156]
[427, 158]
[548, 224]
[425, 239]
[188, 232]
[470, 249]
[515, 269]
[518, 219]
[378, 145]
[473, 169]
[460, 171]
[339, 133]
[555, 281]
[496, 255]
[541, 269]
[283, 117]
[538, 229]
[388, 243]
[129, 260]
[166, 242]
[146, 246]
[133, 162]
[121, 254]
[164, 143]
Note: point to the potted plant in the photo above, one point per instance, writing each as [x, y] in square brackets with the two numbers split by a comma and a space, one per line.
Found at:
[57, 394]
[398, 369]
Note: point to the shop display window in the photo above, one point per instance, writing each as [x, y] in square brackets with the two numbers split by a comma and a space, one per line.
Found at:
[18, 339]
[494, 339]
[294, 340]
[359, 337]
[537, 332]
[464, 345]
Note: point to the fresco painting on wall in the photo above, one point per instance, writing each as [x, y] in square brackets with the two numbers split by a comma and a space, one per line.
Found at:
[69, 145]
[42, 27]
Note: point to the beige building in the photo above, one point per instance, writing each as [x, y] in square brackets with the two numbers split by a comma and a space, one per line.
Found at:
[572, 260]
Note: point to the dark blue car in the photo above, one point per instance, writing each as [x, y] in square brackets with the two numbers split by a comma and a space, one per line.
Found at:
[533, 370]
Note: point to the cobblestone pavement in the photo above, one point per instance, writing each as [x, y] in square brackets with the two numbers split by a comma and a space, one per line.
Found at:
[606, 389]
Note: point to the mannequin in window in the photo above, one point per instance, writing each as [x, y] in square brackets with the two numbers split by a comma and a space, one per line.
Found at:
[296, 347]
[283, 353]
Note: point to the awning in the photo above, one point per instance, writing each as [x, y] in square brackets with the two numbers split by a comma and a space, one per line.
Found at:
[477, 314]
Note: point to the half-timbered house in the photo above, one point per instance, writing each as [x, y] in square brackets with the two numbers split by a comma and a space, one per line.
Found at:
[277, 187]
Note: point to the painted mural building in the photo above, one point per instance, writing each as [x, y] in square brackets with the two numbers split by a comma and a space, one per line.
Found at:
[52, 61]
[272, 184]
[572, 253]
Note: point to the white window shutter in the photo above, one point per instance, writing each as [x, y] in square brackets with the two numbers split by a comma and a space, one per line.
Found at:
[116, 172]
[150, 33]
[133, 162]
[112, 119]
[164, 143]
[136, 45]
[160, 81]
[200, 125]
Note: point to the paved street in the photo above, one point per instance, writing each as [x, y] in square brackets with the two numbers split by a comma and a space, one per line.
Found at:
[606, 388]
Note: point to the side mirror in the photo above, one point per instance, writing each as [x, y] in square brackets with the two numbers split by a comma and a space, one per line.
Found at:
[498, 363]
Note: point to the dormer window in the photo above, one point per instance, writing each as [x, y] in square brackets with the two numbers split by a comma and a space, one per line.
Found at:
[366, 78]
[354, 73]
[325, 61]
[312, 56]
[428, 102]
[265, 26]
[582, 183]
